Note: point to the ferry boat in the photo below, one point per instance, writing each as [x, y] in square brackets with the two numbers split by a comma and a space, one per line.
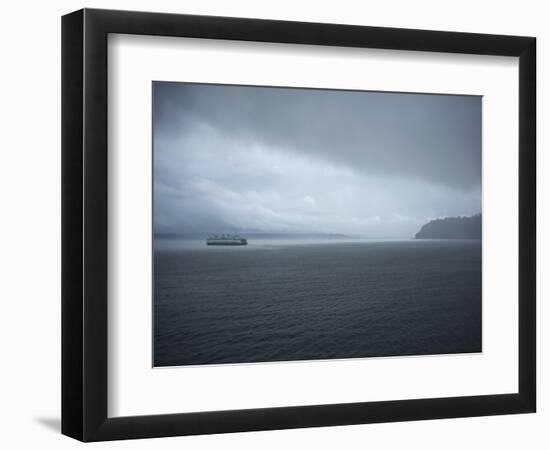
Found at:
[226, 239]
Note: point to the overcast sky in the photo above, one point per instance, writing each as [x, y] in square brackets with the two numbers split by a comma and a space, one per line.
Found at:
[239, 158]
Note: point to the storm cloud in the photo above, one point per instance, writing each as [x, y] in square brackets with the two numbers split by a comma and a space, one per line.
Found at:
[241, 158]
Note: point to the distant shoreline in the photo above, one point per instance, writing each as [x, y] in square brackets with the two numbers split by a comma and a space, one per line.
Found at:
[452, 228]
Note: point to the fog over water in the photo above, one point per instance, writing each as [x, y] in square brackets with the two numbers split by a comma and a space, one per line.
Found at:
[277, 160]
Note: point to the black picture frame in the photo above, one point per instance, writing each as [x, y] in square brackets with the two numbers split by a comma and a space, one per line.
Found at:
[84, 224]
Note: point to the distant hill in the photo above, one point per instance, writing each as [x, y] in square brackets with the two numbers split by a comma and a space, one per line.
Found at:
[452, 228]
[254, 234]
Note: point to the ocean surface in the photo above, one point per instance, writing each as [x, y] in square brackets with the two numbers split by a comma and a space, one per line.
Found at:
[288, 300]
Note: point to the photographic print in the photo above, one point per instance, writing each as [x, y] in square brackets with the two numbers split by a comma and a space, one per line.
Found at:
[294, 224]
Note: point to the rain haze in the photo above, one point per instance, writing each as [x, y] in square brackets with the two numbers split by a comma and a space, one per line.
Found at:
[303, 224]
[244, 159]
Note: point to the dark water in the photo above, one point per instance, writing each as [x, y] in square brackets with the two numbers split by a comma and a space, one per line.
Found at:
[318, 301]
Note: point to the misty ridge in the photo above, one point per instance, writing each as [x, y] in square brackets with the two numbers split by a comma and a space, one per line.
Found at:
[255, 234]
[464, 227]
[452, 228]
